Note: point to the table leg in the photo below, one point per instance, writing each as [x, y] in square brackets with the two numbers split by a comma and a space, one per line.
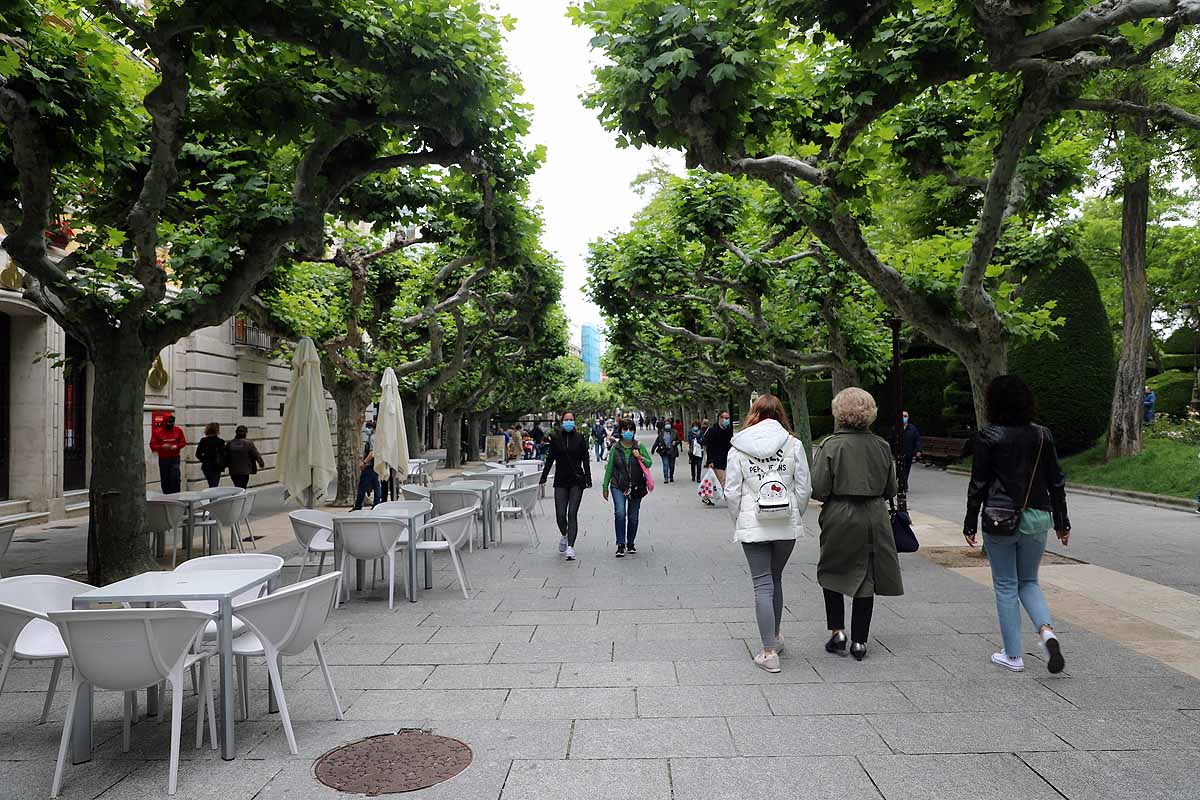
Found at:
[428, 568]
[81, 730]
[228, 678]
[410, 576]
[360, 573]
[190, 528]
[487, 520]
[272, 703]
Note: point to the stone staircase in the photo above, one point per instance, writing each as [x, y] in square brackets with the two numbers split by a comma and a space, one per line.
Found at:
[16, 512]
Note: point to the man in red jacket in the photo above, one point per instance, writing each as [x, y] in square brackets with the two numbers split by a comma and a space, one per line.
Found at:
[168, 442]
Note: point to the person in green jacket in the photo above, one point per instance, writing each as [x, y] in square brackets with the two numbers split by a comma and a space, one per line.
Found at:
[628, 481]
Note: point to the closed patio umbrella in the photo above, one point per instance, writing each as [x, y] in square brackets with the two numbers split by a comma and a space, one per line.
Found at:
[305, 461]
[391, 440]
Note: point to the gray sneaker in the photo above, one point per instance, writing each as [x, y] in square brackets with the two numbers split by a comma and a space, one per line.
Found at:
[570, 553]
[562, 545]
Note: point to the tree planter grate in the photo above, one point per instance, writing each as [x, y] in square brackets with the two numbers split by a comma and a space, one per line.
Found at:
[393, 763]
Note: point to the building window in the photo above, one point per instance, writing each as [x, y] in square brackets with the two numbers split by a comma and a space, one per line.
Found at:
[248, 335]
[252, 399]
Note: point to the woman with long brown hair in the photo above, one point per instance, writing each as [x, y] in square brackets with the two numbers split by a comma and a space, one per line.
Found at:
[767, 487]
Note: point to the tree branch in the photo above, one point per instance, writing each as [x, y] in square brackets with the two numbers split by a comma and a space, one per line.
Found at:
[1158, 111]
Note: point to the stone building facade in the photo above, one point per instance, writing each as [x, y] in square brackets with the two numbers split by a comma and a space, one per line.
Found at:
[222, 374]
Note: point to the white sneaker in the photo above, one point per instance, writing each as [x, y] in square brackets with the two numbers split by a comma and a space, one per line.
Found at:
[770, 663]
[570, 553]
[562, 545]
[1008, 662]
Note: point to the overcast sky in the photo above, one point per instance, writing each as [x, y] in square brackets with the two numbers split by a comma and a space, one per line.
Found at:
[584, 185]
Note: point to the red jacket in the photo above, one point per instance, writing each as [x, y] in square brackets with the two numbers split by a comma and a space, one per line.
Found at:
[168, 443]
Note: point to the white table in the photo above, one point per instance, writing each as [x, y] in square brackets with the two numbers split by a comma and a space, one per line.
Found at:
[152, 588]
[415, 513]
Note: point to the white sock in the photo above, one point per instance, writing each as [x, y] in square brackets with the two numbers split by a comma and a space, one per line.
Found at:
[1047, 635]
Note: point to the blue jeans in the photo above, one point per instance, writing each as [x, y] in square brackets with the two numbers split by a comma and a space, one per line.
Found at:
[599, 449]
[1015, 560]
[668, 462]
[368, 479]
[626, 512]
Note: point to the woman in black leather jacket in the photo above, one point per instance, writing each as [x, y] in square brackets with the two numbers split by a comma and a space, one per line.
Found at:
[1018, 485]
[573, 473]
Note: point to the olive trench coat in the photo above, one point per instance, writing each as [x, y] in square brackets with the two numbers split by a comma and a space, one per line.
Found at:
[854, 475]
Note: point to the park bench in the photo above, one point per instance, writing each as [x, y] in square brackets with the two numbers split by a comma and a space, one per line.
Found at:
[943, 451]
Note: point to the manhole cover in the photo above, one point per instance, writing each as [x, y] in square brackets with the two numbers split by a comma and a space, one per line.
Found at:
[393, 763]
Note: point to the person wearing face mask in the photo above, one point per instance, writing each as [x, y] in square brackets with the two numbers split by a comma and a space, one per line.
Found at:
[625, 475]
[666, 444]
[573, 473]
[695, 443]
[716, 445]
[910, 438]
[167, 443]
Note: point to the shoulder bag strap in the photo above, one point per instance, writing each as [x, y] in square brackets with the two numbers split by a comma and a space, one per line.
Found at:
[1036, 464]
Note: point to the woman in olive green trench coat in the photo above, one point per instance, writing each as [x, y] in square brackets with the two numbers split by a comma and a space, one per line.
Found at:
[854, 475]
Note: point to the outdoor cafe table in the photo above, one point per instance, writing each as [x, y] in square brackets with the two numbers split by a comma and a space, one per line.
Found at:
[487, 489]
[191, 500]
[415, 513]
[152, 588]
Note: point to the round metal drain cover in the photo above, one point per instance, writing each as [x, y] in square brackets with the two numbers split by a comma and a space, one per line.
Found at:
[393, 763]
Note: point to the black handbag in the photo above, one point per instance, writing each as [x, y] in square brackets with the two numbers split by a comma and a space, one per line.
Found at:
[902, 530]
[999, 520]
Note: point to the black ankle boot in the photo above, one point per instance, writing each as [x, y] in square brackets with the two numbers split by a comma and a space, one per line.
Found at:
[836, 644]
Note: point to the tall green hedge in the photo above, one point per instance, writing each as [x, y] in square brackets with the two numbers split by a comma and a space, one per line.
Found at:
[1073, 374]
[924, 383]
[958, 405]
[1173, 392]
[1181, 342]
[820, 397]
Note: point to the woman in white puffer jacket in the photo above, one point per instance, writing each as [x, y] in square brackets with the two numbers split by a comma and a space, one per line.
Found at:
[767, 486]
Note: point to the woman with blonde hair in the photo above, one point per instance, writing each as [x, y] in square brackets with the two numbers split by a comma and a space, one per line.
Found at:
[767, 488]
[854, 476]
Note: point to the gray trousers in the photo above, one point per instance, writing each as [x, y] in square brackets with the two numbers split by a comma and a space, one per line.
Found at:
[767, 560]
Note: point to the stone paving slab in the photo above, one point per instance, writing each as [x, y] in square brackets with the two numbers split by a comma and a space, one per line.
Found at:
[818, 778]
[996, 776]
[571, 780]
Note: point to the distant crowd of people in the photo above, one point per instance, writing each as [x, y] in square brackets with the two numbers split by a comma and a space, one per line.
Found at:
[239, 455]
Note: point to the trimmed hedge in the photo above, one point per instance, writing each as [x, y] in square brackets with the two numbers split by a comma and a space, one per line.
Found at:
[958, 404]
[1073, 374]
[1180, 362]
[1181, 342]
[1173, 392]
[820, 397]
[924, 384]
[821, 425]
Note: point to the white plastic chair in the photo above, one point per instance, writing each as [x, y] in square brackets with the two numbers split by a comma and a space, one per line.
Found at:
[448, 499]
[415, 492]
[224, 513]
[314, 531]
[520, 503]
[368, 536]
[26, 631]
[127, 649]
[244, 519]
[285, 624]
[454, 529]
[6, 537]
[166, 517]
[228, 561]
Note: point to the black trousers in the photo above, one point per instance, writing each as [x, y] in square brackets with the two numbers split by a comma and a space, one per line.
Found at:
[212, 475]
[860, 615]
[696, 468]
[566, 510]
[240, 481]
[168, 475]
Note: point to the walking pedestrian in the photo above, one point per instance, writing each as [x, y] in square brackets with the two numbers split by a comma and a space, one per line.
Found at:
[573, 473]
[910, 440]
[1149, 400]
[716, 446]
[368, 478]
[167, 443]
[242, 457]
[666, 445]
[695, 442]
[625, 475]
[679, 432]
[854, 476]
[210, 452]
[599, 434]
[768, 489]
[1018, 484]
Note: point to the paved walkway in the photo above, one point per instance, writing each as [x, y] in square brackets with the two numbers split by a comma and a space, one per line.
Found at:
[632, 679]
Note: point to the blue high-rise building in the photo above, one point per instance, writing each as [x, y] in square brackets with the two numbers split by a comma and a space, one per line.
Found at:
[590, 345]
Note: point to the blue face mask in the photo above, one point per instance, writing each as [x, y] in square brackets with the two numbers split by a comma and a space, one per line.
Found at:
[569, 425]
[627, 435]
[724, 423]
[695, 429]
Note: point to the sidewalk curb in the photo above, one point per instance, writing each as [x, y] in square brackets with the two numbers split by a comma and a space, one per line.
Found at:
[1124, 495]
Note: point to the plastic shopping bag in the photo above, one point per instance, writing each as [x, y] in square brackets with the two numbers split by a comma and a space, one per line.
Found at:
[710, 488]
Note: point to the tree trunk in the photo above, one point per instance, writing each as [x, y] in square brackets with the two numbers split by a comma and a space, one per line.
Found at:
[844, 376]
[352, 400]
[452, 422]
[474, 429]
[984, 364]
[797, 393]
[117, 488]
[1125, 421]
[410, 427]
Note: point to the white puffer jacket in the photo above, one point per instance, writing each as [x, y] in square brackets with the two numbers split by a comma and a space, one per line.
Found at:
[755, 452]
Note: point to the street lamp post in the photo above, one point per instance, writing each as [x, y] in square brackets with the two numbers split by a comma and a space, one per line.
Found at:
[898, 410]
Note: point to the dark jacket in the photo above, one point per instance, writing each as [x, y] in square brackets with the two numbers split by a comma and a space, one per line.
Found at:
[1002, 472]
[717, 442]
[210, 452]
[623, 472]
[242, 457]
[912, 440]
[570, 452]
[662, 448]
